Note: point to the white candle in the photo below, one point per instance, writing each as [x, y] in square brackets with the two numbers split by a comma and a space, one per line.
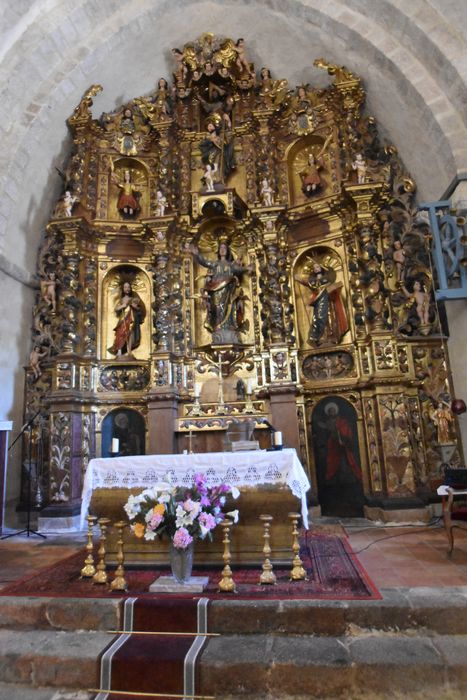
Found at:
[249, 386]
[115, 444]
[197, 389]
[278, 438]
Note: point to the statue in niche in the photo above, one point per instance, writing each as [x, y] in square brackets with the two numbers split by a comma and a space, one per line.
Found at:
[222, 294]
[308, 166]
[329, 321]
[127, 203]
[131, 312]
[266, 193]
[442, 417]
[127, 139]
[217, 148]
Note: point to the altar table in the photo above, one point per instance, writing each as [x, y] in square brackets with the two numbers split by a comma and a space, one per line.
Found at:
[234, 468]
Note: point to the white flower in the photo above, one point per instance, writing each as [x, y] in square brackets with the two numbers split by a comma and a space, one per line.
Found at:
[149, 535]
[204, 531]
[234, 491]
[162, 486]
[164, 498]
[184, 519]
[148, 516]
[234, 515]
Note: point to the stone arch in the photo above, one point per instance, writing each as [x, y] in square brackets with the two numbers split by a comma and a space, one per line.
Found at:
[303, 294]
[109, 292]
[337, 457]
[128, 426]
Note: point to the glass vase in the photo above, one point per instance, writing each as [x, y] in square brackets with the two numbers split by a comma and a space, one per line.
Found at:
[181, 563]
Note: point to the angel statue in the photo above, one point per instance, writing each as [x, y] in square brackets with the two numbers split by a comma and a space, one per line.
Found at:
[309, 174]
[329, 321]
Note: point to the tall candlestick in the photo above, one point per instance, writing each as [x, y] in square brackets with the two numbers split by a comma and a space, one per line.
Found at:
[197, 389]
[249, 386]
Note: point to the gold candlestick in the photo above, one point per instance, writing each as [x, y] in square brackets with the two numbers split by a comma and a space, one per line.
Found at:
[297, 573]
[101, 574]
[227, 584]
[249, 408]
[89, 569]
[268, 576]
[119, 583]
[196, 409]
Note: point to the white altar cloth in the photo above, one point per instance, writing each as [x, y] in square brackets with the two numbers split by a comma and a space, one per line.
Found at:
[233, 468]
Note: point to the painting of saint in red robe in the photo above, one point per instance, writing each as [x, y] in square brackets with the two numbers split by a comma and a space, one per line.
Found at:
[335, 441]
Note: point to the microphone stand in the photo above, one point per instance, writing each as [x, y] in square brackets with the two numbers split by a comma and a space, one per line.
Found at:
[27, 530]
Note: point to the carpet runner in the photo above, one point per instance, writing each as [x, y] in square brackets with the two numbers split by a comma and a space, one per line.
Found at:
[164, 663]
[333, 570]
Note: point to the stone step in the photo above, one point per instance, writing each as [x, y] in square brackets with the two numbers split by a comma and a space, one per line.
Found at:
[438, 611]
[46, 658]
[59, 613]
[14, 691]
[334, 667]
[255, 665]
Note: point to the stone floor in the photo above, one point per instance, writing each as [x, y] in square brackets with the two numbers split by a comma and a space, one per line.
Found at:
[394, 556]
[410, 645]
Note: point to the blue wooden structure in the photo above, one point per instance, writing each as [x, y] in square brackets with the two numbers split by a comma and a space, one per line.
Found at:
[448, 250]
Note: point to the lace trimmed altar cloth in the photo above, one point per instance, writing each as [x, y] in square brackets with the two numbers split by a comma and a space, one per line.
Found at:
[233, 468]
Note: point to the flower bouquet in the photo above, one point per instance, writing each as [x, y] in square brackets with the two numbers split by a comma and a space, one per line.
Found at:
[182, 514]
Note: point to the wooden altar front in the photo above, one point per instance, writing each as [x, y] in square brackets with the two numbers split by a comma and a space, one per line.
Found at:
[267, 482]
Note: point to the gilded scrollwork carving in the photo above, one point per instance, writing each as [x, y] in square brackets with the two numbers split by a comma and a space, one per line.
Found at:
[124, 378]
[227, 223]
[60, 434]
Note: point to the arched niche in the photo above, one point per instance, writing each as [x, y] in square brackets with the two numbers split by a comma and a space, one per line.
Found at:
[111, 298]
[337, 458]
[211, 233]
[135, 186]
[311, 168]
[320, 298]
[129, 427]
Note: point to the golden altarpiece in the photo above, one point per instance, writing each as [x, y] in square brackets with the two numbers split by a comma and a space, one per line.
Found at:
[232, 251]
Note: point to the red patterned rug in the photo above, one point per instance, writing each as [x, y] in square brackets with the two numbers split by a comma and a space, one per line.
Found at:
[333, 570]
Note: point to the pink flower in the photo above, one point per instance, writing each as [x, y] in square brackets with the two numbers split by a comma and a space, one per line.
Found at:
[156, 520]
[182, 538]
[207, 520]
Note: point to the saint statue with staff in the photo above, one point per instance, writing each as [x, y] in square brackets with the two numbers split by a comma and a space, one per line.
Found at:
[217, 148]
[329, 321]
